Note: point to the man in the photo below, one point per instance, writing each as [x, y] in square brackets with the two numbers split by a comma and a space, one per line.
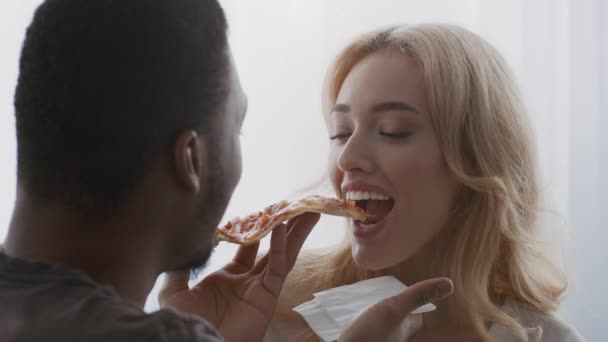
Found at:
[128, 115]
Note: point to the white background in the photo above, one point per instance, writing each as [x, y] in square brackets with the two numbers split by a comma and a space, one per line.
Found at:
[558, 49]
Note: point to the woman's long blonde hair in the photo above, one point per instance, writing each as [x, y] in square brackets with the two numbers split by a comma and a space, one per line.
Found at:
[480, 122]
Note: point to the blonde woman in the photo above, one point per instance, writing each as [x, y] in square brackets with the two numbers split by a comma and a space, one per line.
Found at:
[429, 134]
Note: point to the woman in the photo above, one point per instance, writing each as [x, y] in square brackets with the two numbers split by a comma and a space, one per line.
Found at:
[429, 134]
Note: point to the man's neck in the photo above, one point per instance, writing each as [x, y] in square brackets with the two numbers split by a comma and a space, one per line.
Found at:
[111, 253]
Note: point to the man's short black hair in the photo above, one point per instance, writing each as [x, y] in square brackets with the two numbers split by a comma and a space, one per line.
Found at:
[105, 86]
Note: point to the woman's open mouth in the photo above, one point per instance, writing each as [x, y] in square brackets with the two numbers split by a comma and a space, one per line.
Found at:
[377, 206]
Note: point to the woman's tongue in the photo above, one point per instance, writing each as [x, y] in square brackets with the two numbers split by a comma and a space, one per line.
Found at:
[376, 210]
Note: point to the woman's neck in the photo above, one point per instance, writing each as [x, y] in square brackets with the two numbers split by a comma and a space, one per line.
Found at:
[452, 314]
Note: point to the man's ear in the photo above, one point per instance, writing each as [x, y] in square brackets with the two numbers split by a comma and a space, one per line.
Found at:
[189, 153]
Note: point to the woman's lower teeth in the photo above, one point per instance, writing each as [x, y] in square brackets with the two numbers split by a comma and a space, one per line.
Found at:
[367, 225]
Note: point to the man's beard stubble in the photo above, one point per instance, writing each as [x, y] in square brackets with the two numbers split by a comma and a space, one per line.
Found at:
[212, 207]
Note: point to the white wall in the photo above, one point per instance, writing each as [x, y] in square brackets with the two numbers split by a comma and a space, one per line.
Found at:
[14, 18]
[588, 146]
[282, 49]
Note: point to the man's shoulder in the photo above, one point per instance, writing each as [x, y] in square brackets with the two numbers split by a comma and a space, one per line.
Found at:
[175, 326]
[117, 320]
[43, 303]
[104, 319]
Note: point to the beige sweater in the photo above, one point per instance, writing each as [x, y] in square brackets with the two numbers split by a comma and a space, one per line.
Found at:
[552, 329]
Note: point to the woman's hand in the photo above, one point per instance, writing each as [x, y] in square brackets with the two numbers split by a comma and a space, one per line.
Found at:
[240, 299]
[387, 320]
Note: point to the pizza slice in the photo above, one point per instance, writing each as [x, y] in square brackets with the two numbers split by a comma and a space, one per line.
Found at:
[252, 228]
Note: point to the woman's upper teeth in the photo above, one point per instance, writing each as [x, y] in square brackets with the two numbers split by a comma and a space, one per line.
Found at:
[360, 196]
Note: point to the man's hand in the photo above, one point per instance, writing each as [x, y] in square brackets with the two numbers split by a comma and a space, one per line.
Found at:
[386, 320]
[240, 299]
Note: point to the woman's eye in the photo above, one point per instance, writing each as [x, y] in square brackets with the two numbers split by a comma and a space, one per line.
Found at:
[340, 137]
[396, 135]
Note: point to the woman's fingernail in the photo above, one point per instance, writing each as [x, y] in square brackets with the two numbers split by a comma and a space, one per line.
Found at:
[443, 289]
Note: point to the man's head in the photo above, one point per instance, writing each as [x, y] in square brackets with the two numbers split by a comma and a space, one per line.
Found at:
[108, 89]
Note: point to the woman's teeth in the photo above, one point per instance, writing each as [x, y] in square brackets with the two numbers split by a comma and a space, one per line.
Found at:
[364, 196]
[376, 206]
[364, 227]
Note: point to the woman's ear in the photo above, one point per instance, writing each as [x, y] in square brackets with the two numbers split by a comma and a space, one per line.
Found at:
[189, 152]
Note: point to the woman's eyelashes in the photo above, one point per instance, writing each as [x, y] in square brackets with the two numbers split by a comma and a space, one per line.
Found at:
[340, 137]
[392, 135]
[396, 135]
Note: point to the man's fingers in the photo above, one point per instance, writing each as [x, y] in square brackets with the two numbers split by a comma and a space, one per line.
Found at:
[260, 265]
[244, 259]
[174, 282]
[419, 294]
[305, 221]
[274, 239]
[300, 230]
[276, 270]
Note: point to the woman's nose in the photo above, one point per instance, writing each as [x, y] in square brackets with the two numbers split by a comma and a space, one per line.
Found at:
[356, 155]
